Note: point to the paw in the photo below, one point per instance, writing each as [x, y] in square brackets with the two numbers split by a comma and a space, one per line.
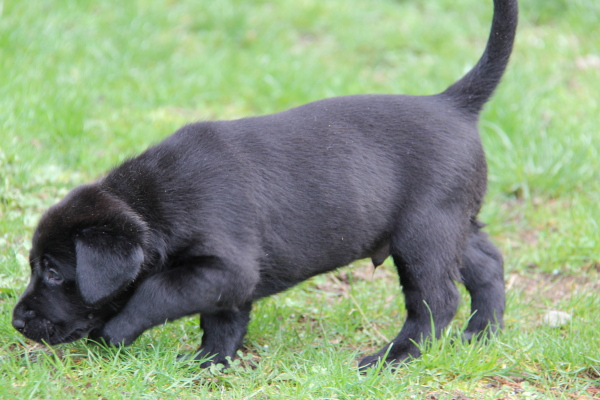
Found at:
[113, 334]
[205, 358]
[368, 362]
[388, 358]
[482, 336]
[376, 362]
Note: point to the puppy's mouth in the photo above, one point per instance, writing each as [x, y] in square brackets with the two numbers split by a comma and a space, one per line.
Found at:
[46, 332]
[81, 332]
[60, 337]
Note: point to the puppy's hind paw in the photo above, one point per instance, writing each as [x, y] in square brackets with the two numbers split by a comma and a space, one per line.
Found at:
[369, 362]
[481, 336]
[383, 360]
[377, 363]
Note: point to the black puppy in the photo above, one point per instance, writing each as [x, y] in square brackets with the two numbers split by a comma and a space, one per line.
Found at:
[223, 213]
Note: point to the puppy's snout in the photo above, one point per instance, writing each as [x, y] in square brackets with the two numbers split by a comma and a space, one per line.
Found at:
[20, 318]
[18, 324]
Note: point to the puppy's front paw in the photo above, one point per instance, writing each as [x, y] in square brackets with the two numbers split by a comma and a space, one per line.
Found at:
[206, 358]
[113, 334]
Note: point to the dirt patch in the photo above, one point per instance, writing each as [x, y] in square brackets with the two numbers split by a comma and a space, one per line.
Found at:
[520, 387]
[340, 281]
[553, 287]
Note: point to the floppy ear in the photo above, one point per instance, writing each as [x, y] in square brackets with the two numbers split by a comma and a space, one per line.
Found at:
[106, 264]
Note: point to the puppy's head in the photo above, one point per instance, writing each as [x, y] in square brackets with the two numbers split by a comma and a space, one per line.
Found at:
[86, 252]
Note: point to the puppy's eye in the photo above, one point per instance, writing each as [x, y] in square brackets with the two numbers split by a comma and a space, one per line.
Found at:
[52, 276]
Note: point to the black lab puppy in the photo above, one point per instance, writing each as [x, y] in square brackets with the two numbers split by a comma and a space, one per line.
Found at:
[223, 213]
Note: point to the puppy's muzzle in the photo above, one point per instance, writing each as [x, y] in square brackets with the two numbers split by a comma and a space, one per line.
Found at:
[20, 319]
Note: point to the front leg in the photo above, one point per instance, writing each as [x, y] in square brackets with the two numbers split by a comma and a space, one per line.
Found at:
[223, 335]
[205, 285]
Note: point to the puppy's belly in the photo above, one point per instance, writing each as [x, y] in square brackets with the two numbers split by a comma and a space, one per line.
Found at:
[282, 270]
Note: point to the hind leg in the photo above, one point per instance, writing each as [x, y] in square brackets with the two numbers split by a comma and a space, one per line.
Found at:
[483, 276]
[427, 259]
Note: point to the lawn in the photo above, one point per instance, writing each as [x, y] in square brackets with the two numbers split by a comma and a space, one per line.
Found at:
[86, 84]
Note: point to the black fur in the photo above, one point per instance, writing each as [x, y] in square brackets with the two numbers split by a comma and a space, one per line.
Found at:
[223, 213]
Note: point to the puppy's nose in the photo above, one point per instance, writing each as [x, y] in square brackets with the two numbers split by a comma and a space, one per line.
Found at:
[20, 317]
[18, 324]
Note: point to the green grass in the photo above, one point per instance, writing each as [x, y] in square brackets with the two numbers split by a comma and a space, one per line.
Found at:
[85, 84]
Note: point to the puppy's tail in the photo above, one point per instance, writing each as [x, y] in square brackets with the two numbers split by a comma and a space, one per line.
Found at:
[477, 86]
